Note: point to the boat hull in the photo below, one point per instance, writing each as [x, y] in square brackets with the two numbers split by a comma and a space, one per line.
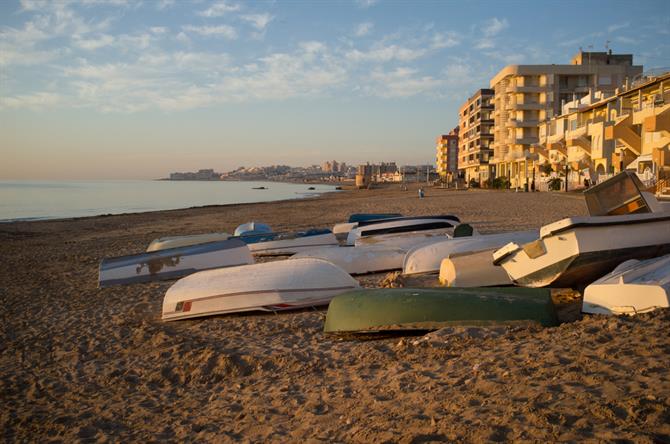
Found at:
[360, 260]
[472, 270]
[165, 243]
[404, 225]
[173, 263]
[378, 310]
[271, 286]
[292, 244]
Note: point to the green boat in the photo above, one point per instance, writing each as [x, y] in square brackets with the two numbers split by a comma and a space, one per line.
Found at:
[392, 309]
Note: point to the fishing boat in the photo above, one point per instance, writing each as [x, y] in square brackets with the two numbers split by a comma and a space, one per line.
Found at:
[428, 258]
[400, 225]
[359, 259]
[281, 244]
[576, 251]
[165, 243]
[472, 269]
[631, 288]
[173, 263]
[380, 310]
[271, 286]
[342, 229]
[622, 194]
[251, 228]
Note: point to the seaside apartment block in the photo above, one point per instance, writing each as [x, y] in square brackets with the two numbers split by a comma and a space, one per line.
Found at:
[527, 95]
[475, 122]
[447, 155]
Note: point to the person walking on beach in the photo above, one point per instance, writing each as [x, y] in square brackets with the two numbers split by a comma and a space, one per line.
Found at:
[420, 193]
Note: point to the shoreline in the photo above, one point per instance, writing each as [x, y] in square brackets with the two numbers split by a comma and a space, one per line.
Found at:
[82, 363]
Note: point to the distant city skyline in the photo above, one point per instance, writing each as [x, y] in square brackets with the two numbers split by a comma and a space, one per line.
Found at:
[128, 89]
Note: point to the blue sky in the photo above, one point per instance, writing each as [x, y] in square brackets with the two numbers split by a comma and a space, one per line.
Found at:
[136, 89]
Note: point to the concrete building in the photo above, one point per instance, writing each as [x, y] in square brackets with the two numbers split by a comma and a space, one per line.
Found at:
[526, 95]
[475, 122]
[605, 132]
[447, 155]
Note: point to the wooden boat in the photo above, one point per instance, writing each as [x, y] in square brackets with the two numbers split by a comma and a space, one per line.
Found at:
[400, 225]
[271, 286]
[342, 229]
[472, 270]
[631, 288]
[359, 260]
[280, 244]
[428, 258]
[622, 194]
[251, 228]
[173, 263]
[576, 251]
[378, 310]
[164, 243]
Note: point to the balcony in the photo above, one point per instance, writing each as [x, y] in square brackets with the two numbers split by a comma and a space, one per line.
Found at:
[525, 140]
[529, 106]
[528, 89]
[514, 123]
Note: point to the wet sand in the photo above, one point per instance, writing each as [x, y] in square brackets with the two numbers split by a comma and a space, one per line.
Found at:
[81, 363]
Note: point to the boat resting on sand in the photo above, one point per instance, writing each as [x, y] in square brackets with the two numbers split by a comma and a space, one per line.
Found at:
[164, 243]
[251, 228]
[472, 270]
[271, 286]
[428, 258]
[173, 263]
[342, 229]
[400, 225]
[379, 310]
[282, 244]
[631, 288]
[359, 260]
[576, 251]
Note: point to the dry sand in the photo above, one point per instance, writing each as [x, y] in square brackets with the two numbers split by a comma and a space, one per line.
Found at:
[80, 363]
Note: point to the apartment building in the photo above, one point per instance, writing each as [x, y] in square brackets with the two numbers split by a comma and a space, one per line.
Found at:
[605, 132]
[526, 95]
[475, 122]
[447, 155]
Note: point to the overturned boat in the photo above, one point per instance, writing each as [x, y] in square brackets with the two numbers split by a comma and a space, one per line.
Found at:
[282, 244]
[359, 259]
[251, 228]
[172, 263]
[379, 310]
[576, 251]
[165, 243]
[472, 269]
[271, 286]
[631, 288]
[428, 258]
[401, 225]
[342, 229]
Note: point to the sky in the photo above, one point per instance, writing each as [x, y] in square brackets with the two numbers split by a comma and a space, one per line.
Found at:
[130, 89]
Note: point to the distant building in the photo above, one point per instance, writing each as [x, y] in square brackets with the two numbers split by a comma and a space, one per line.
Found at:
[475, 120]
[447, 155]
[526, 95]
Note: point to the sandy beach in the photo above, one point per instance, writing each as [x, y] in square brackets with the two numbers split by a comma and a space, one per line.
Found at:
[82, 363]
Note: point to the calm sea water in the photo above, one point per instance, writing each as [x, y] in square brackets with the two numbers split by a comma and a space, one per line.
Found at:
[52, 199]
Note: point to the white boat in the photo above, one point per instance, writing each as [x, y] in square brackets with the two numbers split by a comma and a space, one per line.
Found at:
[574, 252]
[164, 243]
[271, 286]
[253, 227]
[281, 244]
[344, 228]
[406, 241]
[360, 259]
[428, 258]
[622, 194]
[633, 287]
[472, 270]
[400, 225]
[173, 263]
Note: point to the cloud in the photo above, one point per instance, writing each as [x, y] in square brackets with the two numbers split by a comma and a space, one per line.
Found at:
[494, 26]
[164, 4]
[384, 54]
[626, 40]
[446, 40]
[616, 27]
[219, 9]
[363, 29]
[224, 31]
[36, 101]
[366, 3]
[258, 21]
[94, 43]
[401, 83]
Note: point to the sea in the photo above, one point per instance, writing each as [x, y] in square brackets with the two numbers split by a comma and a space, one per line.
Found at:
[35, 200]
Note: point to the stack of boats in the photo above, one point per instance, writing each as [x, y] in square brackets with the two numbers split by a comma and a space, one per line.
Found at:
[615, 256]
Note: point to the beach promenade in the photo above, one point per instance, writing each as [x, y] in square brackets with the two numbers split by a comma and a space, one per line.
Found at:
[81, 363]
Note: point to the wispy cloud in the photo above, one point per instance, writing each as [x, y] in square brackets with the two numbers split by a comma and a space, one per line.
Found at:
[494, 26]
[164, 4]
[444, 40]
[384, 54]
[401, 82]
[617, 26]
[224, 31]
[91, 44]
[366, 3]
[363, 29]
[258, 21]
[35, 101]
[219, 9]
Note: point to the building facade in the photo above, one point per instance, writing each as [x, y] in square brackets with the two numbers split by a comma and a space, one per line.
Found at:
[475, 122]
[527, 95]
[447, 155]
